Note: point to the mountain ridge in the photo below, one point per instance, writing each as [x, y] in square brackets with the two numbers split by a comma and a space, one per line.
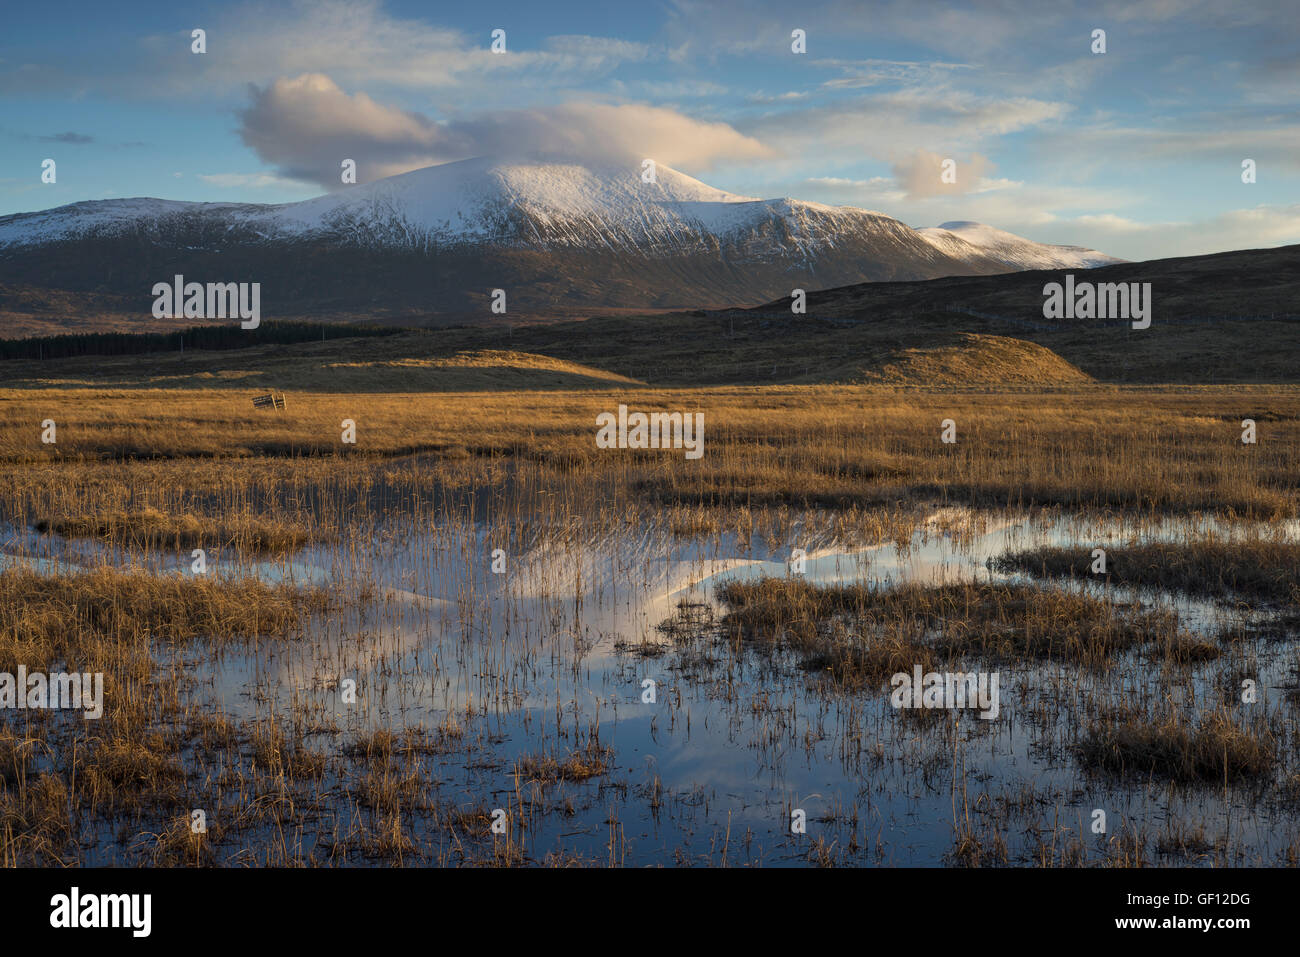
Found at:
[557, 237]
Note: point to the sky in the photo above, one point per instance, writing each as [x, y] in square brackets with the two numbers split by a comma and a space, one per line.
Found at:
[1136, 151]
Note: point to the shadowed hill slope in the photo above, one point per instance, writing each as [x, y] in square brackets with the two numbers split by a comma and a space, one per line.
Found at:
[1228, 318]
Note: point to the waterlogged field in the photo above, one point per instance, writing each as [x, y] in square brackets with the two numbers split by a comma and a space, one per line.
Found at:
[476, 637]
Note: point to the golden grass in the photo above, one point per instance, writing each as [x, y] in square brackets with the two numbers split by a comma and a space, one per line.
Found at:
[840, 447]
[1215, 749]
[57, 776]
[90, 618]
[971, 360]
[860, 633]
[176, 469]
[151, 529]
[1258, 567]
[589, 761]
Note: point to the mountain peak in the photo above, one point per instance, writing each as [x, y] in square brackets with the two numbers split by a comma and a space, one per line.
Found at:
[558, 236]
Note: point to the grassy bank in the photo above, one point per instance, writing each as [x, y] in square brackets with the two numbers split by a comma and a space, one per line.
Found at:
[835, 447]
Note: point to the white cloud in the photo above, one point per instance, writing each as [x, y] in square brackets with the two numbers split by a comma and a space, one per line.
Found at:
[596, 53]
[1257, 227]
[856, 74]
[888, 125]
[787, 97]
[872, 193]
[1223, 137]
[921, 173]
[306, 126]
[357, 41]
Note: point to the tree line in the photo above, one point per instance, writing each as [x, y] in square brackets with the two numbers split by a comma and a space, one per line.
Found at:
[196, 337]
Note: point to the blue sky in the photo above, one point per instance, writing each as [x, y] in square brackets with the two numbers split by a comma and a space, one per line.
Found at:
[1136, 151]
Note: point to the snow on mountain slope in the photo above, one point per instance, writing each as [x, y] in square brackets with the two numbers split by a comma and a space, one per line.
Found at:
[559, 236]
[471, 201]
[562, 205]
[103, 217]
[547, 206]
[956, 237]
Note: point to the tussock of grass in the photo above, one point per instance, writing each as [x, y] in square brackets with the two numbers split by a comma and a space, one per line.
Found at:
[124, 770]
[590, 761]
[1215, 749]
[151, 528]
[177, 844]
[387, 745]
[38, 813]
[856, 630]
[1186, 649]
[389, 789]
[45, 620]
[792, 612]
[285, 757]
[1258, 568]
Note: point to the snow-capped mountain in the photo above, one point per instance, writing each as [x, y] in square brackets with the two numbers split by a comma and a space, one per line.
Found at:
[556, 237]
[1016, 251]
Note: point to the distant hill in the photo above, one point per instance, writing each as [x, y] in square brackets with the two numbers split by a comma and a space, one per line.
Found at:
[1227, 318]
[1247, 282]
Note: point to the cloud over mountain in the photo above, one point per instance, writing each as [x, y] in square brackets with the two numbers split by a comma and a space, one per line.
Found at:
[307, 125]
[920, 174]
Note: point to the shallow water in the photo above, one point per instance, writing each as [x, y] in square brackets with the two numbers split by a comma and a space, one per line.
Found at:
[533, 659]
